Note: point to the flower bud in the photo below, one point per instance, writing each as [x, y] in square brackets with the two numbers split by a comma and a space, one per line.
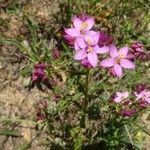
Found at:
[128, 112]
[85, 63]
[105, 39]
[69, 40]
[137, 50]
[140, 88]
[142, 103]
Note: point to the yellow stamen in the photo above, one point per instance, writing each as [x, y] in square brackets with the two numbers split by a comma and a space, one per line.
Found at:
[90, 49]
[83, 25]
[121, 56]
[89, 41]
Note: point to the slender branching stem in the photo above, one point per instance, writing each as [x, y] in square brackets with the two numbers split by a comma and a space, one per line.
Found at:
[82, 122]
[86, 89]
[129, 134]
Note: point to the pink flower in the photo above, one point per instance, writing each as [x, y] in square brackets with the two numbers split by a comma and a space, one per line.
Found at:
[82, 27]
[69, 40]
[120, 96]
[137, 50]
[118, 60]
[105, 39]
[85, 63]
[140, 88]
[144, 95]
[39, 73]
[90, 49]
[143, 103]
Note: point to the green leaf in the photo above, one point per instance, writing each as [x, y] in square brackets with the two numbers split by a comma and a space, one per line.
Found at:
[78, 138]
[26, 71]
[9, 132]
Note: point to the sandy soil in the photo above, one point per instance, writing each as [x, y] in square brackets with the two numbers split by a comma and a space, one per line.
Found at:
[16, 101]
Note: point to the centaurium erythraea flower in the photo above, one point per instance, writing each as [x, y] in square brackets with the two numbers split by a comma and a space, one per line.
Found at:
[137, 50]
[105, 39]
[39, 73]
[89, 49]
[144, 95]
[120, 96]
[125, 104]
[69, 40]
[81, 27]
[118, 60]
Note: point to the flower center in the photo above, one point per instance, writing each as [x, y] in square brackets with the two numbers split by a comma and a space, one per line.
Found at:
[90, 49]
[121, 56]
[84, 25]
[145, 96]
[89, 42]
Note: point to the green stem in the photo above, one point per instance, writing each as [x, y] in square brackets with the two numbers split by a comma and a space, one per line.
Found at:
[129, 135]
[86, 89]
[82, 122]
[69, 11]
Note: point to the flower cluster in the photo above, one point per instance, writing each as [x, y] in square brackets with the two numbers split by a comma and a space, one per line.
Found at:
[137, 50]
[118, 60]
[142, 96]
[127, 102]
[39, 73]
[88, 44]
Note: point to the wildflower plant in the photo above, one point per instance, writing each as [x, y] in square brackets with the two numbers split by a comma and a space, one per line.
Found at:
[103, 117]
[95, 87]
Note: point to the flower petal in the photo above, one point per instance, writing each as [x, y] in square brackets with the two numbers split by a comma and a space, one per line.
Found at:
[148, 100]
[80, 54]
[123, 51]
[125, 63]
[108, 62]
[93, 36]
[91, 32]
[117, 99]
[92, 58]
[81, 43]
[113, 51]
[101, 50]
[90, 22]
[118, 70]
[76, 47]
[72, 32]
[96, 38]
[89, 39]
[119, 94]
[126, 94]
[77, 22]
